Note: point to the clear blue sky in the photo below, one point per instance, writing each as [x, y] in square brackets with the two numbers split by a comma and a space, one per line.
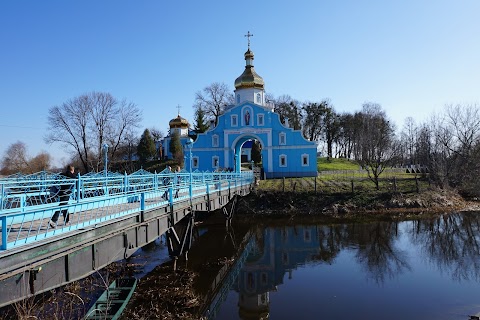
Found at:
[412, 57]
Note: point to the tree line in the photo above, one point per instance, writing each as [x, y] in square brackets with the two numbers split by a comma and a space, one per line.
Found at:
[447, 145]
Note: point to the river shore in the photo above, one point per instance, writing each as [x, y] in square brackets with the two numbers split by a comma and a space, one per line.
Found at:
[347, 206]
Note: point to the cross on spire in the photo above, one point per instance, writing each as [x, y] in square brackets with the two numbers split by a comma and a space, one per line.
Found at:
[178, 107]
[248, 35]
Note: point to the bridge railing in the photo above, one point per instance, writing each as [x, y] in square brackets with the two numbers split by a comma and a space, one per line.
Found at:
[26, 206]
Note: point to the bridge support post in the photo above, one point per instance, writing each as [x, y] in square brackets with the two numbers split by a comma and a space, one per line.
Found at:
[229, 215]
[177, 246]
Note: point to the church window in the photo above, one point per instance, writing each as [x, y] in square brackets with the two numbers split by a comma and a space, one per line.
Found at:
[259, 98]
[260, 119]
[282, 138]
[215, 162]
[305, 160]
[234, 120]
[283, 160]
[215, 140]
[238, 98]
[195, 162]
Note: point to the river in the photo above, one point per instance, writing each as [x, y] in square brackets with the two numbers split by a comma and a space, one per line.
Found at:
[282, 269]
[419, 269]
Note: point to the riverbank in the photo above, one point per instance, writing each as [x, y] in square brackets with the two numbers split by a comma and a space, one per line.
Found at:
[348, 206]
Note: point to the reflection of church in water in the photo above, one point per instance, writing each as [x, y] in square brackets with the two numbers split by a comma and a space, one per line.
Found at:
[278, 252]
[285, 152]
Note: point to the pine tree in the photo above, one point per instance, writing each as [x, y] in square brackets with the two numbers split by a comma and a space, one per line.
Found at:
[146, 147]
[256, 152]
[175, 147]
[201, 124]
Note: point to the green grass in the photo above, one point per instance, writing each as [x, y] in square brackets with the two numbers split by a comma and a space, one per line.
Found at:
[328, 186]
[341, 173]
[333, 164]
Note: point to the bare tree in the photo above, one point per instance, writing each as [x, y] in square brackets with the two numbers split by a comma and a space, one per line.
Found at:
[16, 160]
[312, 124]
[157, 134]
[40, 162]
[214, 99]
[290, 109]
[377, 145]
[85, 123]
[456, 148]
[408, 138]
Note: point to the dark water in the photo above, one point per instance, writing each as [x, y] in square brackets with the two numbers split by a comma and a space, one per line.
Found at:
[420, 269]
[425, 269]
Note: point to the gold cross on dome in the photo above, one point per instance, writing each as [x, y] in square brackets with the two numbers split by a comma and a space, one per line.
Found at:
[178, 107]
[248, 35]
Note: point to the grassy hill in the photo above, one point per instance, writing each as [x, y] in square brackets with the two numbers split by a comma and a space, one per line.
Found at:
[332, 164]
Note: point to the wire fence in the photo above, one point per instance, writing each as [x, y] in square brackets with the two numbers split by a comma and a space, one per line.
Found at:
[348, 182]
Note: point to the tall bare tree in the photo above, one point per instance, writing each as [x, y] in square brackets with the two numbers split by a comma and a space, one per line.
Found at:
[456, 148]
[377, 141]
[312, 123]
[409, 138]
[214, 99]
[84, 123]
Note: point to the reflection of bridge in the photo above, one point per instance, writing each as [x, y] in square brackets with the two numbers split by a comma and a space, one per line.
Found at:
[111, 216]
[226, 279]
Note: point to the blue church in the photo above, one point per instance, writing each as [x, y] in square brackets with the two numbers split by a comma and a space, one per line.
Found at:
[285, 152]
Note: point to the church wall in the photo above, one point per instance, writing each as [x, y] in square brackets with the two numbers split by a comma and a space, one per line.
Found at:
[284, 149]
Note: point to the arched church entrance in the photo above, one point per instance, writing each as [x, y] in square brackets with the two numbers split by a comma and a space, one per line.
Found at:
[237, 146]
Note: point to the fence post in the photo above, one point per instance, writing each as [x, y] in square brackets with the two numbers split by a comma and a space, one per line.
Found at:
[142, 206]
[2, 194]
[416, 185]
[283, 184]
[125, 183]
[4, 232]
[353, 191]
[395, 184]
[315, 184]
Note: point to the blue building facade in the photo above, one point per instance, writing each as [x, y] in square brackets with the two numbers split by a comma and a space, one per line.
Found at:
[285, 152]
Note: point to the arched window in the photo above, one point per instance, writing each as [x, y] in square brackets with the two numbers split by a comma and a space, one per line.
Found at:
[215, 140]
[282, 139]
[260, 119]
[305, 160]
[259, 98]
[282, 160]
[195, 162]
[215, 162]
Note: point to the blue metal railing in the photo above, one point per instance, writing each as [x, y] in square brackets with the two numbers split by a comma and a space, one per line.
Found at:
[27, 203]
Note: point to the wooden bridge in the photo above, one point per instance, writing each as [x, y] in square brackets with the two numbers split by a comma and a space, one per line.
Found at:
[111, 216]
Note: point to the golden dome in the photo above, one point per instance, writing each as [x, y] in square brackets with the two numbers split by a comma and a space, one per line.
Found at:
[178, 122]
[249, 78]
